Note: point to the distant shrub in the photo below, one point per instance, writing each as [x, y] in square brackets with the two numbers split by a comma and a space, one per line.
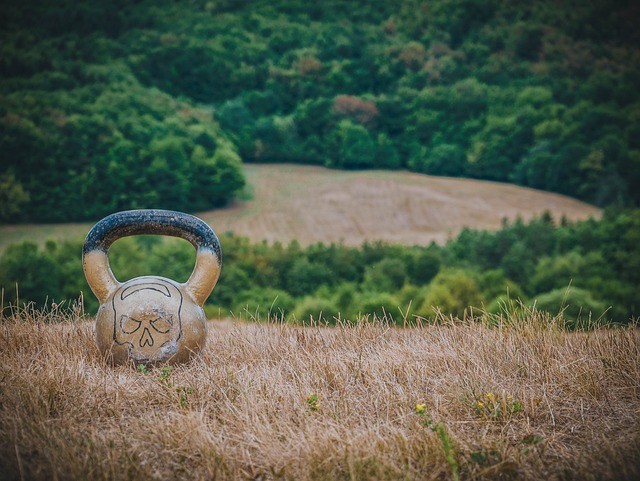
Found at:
[32, 272]
[345, 297]
[496, 287]
[318, 309]
[380, 305]
[423, 266]
[410, 300]
[386, 275]
[506, 305]
[262, 304]
[452, 293]
[233, 280]
[578, 307]
[305, 276]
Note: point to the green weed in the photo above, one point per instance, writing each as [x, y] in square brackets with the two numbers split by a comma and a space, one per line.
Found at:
[444, 437]
[164, 379]
[500, 407]
[313, 402]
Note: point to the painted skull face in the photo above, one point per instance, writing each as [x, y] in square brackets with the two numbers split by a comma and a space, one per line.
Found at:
[147, 318]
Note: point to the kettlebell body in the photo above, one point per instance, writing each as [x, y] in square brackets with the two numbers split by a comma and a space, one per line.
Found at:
[151, 319]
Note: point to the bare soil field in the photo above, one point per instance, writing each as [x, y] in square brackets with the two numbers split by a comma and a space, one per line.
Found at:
[460, 400]
[315, 204]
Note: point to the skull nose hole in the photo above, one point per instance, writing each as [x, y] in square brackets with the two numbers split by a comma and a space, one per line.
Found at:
[146, 339]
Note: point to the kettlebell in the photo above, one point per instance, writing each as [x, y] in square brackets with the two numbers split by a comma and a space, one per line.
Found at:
[151, 319]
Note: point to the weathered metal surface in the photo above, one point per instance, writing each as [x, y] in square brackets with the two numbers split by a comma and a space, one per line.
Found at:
[151, 319]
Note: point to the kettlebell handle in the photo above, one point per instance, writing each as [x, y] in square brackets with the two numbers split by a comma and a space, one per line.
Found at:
[95, 260]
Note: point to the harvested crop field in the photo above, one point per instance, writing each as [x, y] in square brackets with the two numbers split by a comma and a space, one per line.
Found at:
[315, 204]
[461, 400]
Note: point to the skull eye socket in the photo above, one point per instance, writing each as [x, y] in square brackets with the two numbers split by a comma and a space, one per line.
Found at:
[162, 324]
[129, 325]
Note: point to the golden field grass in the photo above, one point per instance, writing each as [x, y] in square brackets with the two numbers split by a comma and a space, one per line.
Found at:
[478, 399]
[315, 204]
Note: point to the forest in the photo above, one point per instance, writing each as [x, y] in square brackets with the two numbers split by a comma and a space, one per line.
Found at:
[107, 106]
[587, 271]
[112, 105]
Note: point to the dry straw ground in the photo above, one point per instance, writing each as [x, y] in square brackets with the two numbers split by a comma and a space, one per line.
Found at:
[458, 400]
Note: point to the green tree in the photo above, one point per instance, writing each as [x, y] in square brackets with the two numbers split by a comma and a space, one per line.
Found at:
[499, 146]
[232, 282]
[577, 306]
[318, 309]
[30, 274]
[382, 305]
[213, 180]
[423, 265]
[386, 275]
[12, 197]
[238, 121]
[445, 159]
[387, 155]
[305, 277]
[517, 263]
[355, 149]
[452, 293]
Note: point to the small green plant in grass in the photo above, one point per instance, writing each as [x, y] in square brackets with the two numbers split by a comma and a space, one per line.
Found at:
[142, 369]
[165, 380]
[531, 442]
[445, 439]
[313, 402]
[480, 457]
[165, 376]
[497, 407]
[184, 392]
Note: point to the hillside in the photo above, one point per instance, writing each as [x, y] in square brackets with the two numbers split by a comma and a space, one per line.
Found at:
[113, 105]
[315, 204]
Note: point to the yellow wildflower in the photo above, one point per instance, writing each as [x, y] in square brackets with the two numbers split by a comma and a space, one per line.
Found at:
[490, 396]
[420, 408]
[480, 404]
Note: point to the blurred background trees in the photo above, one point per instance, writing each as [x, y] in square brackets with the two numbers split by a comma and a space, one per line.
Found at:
[112, 105]
[107, 106]
[583, 269]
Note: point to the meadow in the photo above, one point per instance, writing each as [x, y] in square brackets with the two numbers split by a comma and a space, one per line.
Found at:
[515, 397]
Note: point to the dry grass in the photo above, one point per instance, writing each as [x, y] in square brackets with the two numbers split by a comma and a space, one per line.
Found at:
[565, 405]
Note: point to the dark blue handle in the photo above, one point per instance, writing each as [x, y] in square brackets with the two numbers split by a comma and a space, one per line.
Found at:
[152, 221]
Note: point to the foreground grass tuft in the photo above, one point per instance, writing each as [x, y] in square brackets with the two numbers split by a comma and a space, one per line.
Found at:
[463, 400]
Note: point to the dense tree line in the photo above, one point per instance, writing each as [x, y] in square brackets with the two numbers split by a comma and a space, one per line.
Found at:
[113, 105]
[109, 145]
[587, 270]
